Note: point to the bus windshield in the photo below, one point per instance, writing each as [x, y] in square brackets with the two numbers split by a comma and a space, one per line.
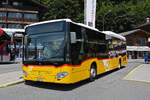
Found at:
[44, 46]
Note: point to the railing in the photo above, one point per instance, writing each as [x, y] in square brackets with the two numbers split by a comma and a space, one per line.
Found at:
[17, 20]
[3, 18]
[26, 9]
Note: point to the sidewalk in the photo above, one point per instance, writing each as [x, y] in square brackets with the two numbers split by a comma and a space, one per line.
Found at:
[140, 73]
[10, 78]
[135, 60]
[11, 73]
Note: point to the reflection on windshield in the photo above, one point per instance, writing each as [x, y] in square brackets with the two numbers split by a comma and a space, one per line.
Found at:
[45, 46]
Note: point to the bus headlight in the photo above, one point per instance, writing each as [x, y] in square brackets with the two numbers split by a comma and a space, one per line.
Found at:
[24, 73]
[61, 75]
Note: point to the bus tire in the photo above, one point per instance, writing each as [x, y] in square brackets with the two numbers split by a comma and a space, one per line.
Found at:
[119, 64]
[93, 72]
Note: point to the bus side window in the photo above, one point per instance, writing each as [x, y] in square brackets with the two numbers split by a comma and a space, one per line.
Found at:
[96, 46]
[77, 47]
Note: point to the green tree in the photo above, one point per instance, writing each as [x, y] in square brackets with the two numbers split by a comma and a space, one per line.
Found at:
[125, 15]
[59, 9]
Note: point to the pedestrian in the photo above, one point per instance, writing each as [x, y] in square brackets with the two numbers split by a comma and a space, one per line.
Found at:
[146, 57]
[12, 55]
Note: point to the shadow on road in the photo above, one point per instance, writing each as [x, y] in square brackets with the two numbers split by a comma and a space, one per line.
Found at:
[60, 87]
[6, 63]
[109, 72]
[65, 87]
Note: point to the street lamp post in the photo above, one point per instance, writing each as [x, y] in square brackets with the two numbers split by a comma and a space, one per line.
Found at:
[104, 19]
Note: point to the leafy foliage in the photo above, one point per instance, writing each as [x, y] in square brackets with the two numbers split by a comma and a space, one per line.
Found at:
[59, 9]
[125, 15]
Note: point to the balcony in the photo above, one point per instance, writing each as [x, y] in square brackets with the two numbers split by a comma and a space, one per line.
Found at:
[17, 20]
[24, 9]
[2, 19]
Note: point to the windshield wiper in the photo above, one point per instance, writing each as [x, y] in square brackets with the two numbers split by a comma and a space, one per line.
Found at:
[55, 56]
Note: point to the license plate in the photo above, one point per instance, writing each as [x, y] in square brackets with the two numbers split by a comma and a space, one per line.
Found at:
[40, 80]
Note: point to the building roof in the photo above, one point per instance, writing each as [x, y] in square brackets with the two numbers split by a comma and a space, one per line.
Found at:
[145, 27]
[133, 31]
[145, 24]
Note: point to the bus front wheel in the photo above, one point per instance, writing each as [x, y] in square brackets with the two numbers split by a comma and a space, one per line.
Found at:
[93, 72]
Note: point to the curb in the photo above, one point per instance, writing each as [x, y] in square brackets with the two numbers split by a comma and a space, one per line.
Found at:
[133, 70]
[130, 73]
[11, 83]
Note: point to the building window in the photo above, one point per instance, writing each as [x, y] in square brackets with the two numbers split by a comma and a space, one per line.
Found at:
[2, 14]
[4, 3]
[2, 25]
[144, 42]
[16, 4]
[30, 16]
[14, 15]
[141, 41]
[17, 26]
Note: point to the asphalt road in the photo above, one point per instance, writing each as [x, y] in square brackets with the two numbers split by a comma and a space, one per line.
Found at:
[110, 86]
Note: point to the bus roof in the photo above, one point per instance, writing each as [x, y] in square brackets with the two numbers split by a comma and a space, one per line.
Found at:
[10, 31]
[66, 20]
[110, 33]
[113, 34]
[49, 21]
[2, 32]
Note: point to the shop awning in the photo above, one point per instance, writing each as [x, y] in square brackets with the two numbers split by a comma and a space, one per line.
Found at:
[138, 48]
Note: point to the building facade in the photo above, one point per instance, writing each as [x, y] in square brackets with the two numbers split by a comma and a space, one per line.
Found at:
[138, 43]
[16, 14]
[19, 13]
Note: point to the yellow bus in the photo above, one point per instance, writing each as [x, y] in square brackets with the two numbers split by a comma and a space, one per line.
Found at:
[65, 52]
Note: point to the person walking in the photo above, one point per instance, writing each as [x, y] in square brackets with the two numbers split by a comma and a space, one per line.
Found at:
[146, 57]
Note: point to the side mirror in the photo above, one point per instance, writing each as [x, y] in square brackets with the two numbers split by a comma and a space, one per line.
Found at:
[73, 37]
